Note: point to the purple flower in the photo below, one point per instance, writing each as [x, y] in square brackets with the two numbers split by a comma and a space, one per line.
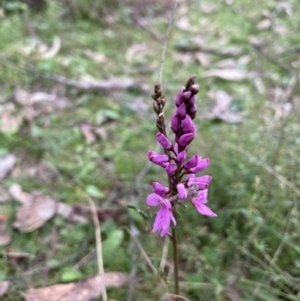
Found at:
[164, 141]
[159, 159]
[181, 156]
[199, 202]
[160, 189]
[202, 164]
[178, 99]
[188, 125]
[192, 162]
[185, 139]
[201, 182]
[182, 192]
[154, 199]
[187, 95]
[181, 110]
[175, 123]
[171, 168]
[163, 220]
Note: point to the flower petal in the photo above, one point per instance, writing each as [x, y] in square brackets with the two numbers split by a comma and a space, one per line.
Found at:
[204, 210]
[153, 200]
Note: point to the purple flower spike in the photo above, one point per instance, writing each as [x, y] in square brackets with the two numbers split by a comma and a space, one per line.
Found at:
[181, 110]
[201, 182]
[171, 168]
[154, 199]
[163, 220]
[158, 159]
[164, 141]
[201, 165]
[199, 202]
[182, 192]
[175, 123]
[160, 189]
[185, 139]
[188, 125]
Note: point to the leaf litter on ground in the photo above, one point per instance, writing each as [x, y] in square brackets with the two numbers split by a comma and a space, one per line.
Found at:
[85, 290]
[221, 109]
[38, 208]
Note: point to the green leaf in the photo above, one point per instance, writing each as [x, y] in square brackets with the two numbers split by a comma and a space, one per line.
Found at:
[142, 213]
[113, 241]
[71, 275]
[94, 191]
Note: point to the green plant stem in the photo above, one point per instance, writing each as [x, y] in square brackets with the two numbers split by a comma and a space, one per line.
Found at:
[175, 259]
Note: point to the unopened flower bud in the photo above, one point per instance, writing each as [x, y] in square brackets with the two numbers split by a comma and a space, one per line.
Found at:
[178, 99]
[187, 95]
[194, 89]
[185, 139]
[164, 141]
[175, 123]
[163, 101]
[171, 168]
[159, 159]
[181, 110]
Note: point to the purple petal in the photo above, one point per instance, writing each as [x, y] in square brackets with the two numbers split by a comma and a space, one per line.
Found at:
[171, 168]
[188, 125]
[175, 123]
[181, 156]
[153, 200]
[204, 210]
[185, 139]
[160, 189]
[201, 165]
[164, 141]
[201, 196]
[192, 162]
[182, 192]
[178, 99]
[159, 159]
[166, 217]
[187, 95]
[181, 110]
[201, 182]
[163, 232]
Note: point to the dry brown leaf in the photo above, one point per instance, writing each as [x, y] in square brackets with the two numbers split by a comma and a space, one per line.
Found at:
[4, 286]
[35, 213]
[136, 50]
[96, 56]
[19, 195]
[90, 132]
[203, 58]
[226, 64]
[221, 111]
[85, 290]
[227, 74]
[264, 24]
[184, 23]
[50, 52]
[5, 237]
[68, 212]
[7, 163]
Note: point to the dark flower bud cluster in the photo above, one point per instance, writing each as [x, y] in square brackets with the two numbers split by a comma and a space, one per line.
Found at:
[181, 172]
